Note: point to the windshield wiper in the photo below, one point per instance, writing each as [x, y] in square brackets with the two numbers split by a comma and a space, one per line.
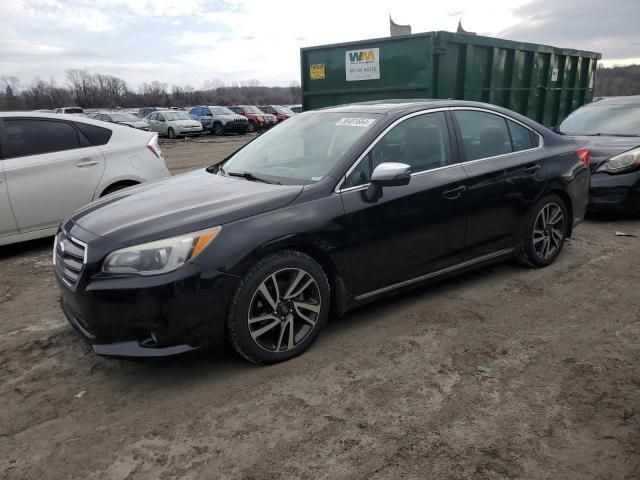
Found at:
[247, 175]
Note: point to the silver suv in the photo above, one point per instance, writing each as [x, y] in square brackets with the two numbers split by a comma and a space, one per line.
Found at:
[220, 120]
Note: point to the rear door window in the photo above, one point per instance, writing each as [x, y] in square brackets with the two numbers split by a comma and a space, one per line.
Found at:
[24, 137]
[96, 135]
[520, 136]
[483, 134]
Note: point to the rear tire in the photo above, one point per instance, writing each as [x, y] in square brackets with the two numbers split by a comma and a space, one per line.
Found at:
[171, 133]
[279, 308]
[545, 231]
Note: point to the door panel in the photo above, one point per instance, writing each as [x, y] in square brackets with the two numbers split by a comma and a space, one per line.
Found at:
[45, 189]
[503, 184]
[8, 225]
[410, 231]
[500, 193]
[50, 172]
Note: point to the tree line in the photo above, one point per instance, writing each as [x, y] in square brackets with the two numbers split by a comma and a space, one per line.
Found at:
[615, 81]
[96, 90]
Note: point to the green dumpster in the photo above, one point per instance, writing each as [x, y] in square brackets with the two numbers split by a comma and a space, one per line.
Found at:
[542, 82]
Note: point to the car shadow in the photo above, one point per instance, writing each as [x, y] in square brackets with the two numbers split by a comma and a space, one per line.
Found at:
[30, 247]
[208, 364]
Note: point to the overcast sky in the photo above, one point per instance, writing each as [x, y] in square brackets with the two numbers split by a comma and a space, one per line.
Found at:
[190, 41]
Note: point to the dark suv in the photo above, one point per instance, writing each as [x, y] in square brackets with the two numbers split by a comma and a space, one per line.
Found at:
[220, 120]
[332, 209]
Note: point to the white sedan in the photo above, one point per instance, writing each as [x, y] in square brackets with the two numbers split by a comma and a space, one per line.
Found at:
[52, 164]
[173, 124]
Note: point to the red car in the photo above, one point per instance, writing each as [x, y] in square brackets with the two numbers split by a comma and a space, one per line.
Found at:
[258, 120]
[281, 113]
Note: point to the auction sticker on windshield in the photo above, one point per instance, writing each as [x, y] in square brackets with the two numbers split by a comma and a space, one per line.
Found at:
[355, 122]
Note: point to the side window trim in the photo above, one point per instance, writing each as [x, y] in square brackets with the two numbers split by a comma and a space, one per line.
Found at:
[455, 153]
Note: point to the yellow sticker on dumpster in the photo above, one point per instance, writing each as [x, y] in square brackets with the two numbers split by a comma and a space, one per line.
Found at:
[317, 71]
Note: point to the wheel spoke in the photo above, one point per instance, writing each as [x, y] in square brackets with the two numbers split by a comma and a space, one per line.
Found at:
[556, 234]
[261, 318]
[556, 216]
[295, 289]
[282, 329]
[303, 315]
[267, 295]
[261, 331]
[291, 333]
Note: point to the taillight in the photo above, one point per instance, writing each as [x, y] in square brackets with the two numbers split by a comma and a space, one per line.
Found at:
[153, 146]
[584, 155]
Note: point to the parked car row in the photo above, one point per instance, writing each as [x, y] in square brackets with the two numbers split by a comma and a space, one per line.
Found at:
[335, 208]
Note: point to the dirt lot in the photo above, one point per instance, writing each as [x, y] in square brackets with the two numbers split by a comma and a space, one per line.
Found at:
[503, 373]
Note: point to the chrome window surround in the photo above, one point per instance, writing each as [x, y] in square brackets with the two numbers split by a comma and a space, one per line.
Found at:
[338, 188]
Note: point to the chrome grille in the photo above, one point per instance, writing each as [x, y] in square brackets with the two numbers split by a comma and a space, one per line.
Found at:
[69, 258]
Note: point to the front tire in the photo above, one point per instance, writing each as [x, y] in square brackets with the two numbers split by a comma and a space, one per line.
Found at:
[279, 308]
[545, 232]
[171, 133]
[251, 128]
[216, 129]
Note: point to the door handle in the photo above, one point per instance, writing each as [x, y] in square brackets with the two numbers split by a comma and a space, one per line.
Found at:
[532, 169]
[454, 193]
[86, 163]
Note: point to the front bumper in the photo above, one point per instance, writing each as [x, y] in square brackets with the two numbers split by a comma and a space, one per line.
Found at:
[194, 131]
[615, 193]
[149, 316]
[236, 127]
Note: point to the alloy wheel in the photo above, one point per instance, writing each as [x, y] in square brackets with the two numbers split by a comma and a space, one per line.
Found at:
[549, 231]
[284, 310]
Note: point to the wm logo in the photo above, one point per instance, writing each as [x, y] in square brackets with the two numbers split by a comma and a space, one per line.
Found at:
[362, 56]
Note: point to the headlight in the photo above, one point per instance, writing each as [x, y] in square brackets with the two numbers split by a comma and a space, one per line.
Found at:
[161, 256]
[624, 162]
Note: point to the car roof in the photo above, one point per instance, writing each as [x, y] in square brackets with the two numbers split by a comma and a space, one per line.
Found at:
[404, 105]
[623, 100]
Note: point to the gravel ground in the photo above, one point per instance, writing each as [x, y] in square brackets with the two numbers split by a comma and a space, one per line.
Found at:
[502, 373]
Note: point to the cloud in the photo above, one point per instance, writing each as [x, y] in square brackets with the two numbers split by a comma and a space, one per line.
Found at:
[609, 27]
[191, 41]
[197, 38]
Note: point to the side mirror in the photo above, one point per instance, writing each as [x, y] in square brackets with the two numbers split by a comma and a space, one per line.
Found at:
[388, 174]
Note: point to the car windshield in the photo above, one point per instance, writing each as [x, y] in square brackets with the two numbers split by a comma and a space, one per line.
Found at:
[123, 117]
[303, 149]
[222, 111]
[283, 110]
[172, 116]
[252, 109]
[604, 119]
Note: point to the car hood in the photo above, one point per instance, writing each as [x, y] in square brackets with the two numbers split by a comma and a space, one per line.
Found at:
[604, 147]
[185, 203]
[186, 123]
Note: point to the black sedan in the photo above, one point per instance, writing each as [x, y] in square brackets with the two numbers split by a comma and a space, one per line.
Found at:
[121, 118]
[332, 209]
[610, 129]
